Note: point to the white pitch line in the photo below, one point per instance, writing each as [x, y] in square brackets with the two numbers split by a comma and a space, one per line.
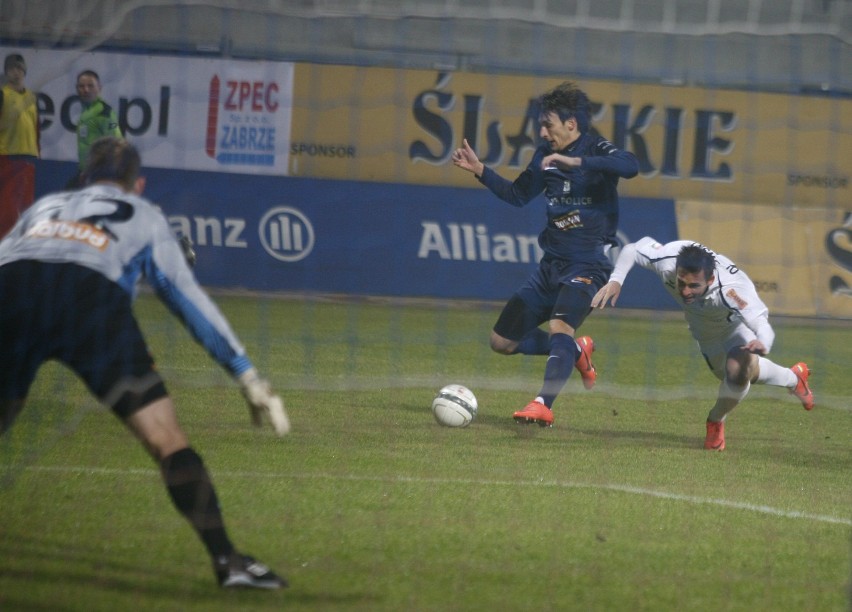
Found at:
[691, 499]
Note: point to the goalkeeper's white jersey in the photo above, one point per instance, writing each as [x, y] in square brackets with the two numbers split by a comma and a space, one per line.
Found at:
[123, 236]
[730, 300]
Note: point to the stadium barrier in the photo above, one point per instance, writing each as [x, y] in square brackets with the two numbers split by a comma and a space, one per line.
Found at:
[312, 177]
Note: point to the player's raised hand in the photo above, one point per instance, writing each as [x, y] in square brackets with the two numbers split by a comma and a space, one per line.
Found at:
[263, 402]
[465, 158]
[607, 293]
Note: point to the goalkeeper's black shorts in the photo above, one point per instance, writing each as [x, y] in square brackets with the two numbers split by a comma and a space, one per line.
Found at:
[77, 316]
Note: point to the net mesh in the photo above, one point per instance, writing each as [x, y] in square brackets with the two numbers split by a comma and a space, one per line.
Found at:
[665, 74]
[783, 44]
[784, 65]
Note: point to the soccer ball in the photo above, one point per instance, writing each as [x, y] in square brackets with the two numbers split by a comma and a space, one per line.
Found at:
[454, 406]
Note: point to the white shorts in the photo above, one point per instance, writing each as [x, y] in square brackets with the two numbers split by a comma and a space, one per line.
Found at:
[715, 351]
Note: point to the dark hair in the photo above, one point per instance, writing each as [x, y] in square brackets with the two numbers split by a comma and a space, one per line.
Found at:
[696, 258]
[14, 59]
[567, 100]
[90, 73]
[112, 159]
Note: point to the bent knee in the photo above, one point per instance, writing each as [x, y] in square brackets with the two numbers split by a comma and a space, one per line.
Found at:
[156, 426]
[558, 326]
[502, 345]
[740, 366]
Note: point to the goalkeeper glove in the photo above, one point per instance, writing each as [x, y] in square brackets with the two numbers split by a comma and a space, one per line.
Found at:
[262, 401]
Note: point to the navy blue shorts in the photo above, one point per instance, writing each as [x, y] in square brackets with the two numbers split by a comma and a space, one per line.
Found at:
[557, 290]
[77, 316]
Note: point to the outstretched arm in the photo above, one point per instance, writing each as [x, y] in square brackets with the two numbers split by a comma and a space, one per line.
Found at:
[611, 291]
[168, 272]
[756, 317]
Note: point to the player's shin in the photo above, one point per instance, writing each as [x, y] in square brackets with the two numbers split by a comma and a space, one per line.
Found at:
[192, 492]
[563, 354]
[728, 398]
[770, 373]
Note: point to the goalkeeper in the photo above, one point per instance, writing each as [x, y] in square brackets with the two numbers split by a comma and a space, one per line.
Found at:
[68, 271]
[725, 315]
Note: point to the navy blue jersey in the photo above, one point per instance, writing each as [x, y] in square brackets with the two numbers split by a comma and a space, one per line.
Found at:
[582, 202]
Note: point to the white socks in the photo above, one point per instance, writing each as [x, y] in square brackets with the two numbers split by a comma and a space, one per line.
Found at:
[773, 374]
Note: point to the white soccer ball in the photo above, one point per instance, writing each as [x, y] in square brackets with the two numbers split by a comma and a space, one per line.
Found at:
[454, 406]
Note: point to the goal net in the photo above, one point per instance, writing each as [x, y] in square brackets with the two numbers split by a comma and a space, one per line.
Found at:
[304, 148]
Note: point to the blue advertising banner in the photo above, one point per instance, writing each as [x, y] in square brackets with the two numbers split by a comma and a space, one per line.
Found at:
[269, 233]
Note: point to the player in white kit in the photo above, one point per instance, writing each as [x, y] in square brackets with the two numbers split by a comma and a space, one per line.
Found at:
[725, 315]
[68, 274]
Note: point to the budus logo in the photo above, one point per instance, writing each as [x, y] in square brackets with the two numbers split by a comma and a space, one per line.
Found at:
[286, 234]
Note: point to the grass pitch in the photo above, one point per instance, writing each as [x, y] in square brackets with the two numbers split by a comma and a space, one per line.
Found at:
[371, 505]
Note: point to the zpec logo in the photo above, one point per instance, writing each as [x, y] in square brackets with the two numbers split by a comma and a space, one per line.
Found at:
[286, 234]
[244, 132]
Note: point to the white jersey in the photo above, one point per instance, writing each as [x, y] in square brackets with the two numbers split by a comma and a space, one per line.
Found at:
[730, 300]
[124, 236]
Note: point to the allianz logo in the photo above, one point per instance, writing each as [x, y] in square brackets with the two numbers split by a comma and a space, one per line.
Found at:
[285, 233]
[474, 242]
[469, 242]
[288, 235]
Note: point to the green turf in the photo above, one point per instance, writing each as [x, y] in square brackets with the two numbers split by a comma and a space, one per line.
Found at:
[370, 505]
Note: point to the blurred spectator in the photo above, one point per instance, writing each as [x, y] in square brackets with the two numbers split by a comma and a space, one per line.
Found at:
[97, 120]
[19, 143]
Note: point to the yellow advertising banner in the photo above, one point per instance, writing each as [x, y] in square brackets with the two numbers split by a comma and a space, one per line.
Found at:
[400, 126]
[800, 259]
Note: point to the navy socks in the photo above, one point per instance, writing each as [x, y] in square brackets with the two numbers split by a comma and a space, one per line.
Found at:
[564, 353]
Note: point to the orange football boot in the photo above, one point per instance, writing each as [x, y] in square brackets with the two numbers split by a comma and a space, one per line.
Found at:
[715, 439]
[584, 361]
[535, 412]
[802, 390]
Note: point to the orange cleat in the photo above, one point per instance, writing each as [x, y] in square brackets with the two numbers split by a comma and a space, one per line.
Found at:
[535, 412]
[584, 362]
[802, 390]
[715, 439]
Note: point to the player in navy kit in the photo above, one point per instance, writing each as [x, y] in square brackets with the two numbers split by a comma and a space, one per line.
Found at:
[68, 274]
[726, 317]
[578, 173]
